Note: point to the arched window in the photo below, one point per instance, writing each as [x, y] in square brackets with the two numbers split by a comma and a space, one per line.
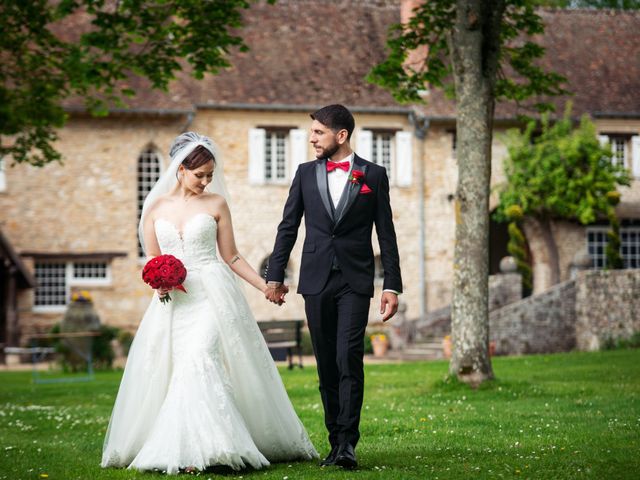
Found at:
[265, 264]
[148, 174]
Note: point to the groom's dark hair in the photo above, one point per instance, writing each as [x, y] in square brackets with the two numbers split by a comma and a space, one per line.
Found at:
[336, 117]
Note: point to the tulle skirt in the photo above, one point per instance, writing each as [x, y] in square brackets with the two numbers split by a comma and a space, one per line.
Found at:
[200, 387]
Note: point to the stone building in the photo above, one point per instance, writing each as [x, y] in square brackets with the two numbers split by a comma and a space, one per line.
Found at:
[74, 225]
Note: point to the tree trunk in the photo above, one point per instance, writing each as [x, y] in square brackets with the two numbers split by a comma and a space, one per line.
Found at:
[545, 256]
[474, 46]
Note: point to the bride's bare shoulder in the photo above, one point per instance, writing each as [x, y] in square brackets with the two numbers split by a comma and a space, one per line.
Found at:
[214, 200]
[216, 204]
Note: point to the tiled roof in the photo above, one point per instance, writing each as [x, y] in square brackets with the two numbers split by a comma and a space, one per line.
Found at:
[598, 51]
[305, 53]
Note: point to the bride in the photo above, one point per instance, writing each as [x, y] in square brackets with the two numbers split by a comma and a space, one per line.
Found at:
[200, 388]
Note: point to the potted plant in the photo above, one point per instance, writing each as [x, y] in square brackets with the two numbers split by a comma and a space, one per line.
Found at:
[447, 346]
[380, 344]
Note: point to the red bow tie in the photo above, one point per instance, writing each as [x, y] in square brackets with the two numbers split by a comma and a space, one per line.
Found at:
[331, 166]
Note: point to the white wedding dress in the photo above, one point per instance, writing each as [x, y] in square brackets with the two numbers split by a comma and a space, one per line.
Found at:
[200, 387]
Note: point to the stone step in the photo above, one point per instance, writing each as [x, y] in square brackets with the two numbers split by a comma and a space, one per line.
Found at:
[419, 351]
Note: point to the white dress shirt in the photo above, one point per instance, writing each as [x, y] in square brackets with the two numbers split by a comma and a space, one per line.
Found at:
[337, 179]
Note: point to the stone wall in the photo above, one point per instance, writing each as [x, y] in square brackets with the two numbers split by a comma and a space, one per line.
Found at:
[542, 323]
[504, 289]
[87, 204]
[607, 306]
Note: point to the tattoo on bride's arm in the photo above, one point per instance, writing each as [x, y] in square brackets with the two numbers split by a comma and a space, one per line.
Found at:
[234, 259]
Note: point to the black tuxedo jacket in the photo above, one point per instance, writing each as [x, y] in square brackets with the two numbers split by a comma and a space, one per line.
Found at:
[343, 232]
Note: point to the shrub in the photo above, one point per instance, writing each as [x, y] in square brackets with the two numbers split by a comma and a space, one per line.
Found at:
[611, 343]
[102, 353]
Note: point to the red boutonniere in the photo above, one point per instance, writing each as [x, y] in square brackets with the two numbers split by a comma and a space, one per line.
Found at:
[357, 177]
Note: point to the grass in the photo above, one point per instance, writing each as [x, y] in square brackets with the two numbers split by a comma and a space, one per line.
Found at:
[561, 416]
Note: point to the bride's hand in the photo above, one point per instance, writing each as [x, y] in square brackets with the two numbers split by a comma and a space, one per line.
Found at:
[163, 291]
[276, 294]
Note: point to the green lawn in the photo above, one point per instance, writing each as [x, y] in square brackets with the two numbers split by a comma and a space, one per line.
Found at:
[550, 417]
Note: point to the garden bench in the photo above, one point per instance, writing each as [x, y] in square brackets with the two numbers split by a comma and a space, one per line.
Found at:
[284, 334]
[38, 353]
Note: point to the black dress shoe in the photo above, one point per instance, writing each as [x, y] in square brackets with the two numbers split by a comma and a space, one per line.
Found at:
[346, 457]
[331, 458]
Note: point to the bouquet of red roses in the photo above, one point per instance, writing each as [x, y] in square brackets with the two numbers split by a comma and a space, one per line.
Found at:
[164, 271]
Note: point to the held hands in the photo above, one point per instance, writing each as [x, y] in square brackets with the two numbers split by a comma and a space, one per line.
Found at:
[388, 305]
[275, 292]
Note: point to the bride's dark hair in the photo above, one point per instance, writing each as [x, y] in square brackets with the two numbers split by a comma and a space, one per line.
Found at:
[198, 157]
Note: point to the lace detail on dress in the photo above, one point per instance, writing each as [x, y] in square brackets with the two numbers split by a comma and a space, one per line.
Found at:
[200, 387]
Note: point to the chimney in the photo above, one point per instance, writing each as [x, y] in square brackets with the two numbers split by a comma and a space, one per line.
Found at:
[415, 59]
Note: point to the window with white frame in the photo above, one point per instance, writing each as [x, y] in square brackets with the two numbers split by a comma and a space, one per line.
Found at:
[382, 150]
[625, 149]
[391, 149]
[54, 280]
[620, 150]
[148, 174]
[597, 245]
[91, 272]
[3, 176]
[275, 156]
[275, 153]
[629, 245]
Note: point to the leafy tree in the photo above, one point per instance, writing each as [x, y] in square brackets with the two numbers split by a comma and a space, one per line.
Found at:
[466, 47]
[562, 173]
[50, 51]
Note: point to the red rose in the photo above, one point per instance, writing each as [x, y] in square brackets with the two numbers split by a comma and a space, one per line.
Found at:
[165, 271]
[356, 176]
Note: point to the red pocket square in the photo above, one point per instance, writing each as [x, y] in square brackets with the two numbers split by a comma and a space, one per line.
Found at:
[365, 189]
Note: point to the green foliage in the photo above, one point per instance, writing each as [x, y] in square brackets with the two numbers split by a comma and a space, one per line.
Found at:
[563, 173]
[101, 350]
[368, 348]
[125, 338]
[619, 343]
[517, 248]
[432, 27]
[89, 49]
[514, 213]
[612, 252]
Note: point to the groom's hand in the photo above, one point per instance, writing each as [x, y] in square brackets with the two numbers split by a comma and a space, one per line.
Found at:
[275, 292]
[388, 305]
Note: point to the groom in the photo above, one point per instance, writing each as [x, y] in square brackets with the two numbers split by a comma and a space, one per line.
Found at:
[341, 197]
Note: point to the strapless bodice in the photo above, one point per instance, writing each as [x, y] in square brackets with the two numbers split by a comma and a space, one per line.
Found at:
[195, 245]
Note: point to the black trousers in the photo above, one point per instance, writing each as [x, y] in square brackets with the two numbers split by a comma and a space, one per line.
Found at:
[337, 319]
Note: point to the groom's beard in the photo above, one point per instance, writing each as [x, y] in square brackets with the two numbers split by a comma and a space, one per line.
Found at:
[329, 151]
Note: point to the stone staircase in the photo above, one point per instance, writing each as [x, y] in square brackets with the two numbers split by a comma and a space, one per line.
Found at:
[423, 350]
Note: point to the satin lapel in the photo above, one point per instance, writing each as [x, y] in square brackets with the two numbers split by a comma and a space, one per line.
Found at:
[353, 189]
[321, 180]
